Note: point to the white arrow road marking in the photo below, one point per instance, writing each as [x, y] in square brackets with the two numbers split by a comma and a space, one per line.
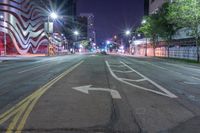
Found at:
[166, 92]
[85, 89]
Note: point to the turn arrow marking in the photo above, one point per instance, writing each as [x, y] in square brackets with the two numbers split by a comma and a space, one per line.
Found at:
[85, 89]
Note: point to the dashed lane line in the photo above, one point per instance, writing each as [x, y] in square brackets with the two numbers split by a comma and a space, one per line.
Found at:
[122, 71]
[179, 73]
[30, 69]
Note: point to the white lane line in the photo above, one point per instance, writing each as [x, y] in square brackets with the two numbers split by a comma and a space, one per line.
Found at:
[122, 71]
[30, 69]
[139, 87]
[188, 67]
[191, 83]
[196, 78]
[157, 66]
[179, 73]
[165, 68]
[131, 80]
[152, 82]
[117, 66]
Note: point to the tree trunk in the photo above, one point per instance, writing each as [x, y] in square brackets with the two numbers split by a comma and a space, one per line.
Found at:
[197, 40]
[168, 51]
[154, 51]
[197, 45]
[168, 45]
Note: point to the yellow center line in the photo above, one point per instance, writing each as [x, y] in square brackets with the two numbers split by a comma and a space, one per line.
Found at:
[16, 118]
[25, 107]
[25, 117]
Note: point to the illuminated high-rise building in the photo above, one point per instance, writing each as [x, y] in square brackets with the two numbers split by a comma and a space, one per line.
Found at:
[91, 26]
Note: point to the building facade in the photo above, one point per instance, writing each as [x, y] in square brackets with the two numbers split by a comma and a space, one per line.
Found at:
[68, 12]
[146, 7]
[154, 5]
[91, 26]
[21, 28]
[82, 26]
[22, 24]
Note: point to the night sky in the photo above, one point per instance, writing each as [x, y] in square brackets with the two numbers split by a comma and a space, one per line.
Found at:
[112, 16]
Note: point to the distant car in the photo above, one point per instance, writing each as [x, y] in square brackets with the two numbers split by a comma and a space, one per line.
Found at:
[103, 52]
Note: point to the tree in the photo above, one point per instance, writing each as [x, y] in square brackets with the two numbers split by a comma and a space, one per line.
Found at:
[186, 13]
[166, 28]
[149, 29]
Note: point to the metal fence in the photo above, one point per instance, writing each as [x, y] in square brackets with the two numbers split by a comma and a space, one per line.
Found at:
[176, 51]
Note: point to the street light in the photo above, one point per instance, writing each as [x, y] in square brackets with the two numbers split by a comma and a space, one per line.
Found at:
[1, 17]
[76, 33]
[4, 24]
[128, 32]
[108, 42]
[144, 21]
[54, 16]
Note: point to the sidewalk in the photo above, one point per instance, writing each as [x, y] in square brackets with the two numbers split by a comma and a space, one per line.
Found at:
[20, 57]
[127, 55]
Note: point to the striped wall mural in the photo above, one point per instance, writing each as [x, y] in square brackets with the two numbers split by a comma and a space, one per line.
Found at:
[24, 25]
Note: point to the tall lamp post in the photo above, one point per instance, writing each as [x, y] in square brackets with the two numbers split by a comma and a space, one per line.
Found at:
[128, 34]
[2, 17]
[52, 16]
[76, 34]
[144, 22]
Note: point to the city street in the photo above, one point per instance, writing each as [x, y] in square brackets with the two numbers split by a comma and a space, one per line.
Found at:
[93, 93]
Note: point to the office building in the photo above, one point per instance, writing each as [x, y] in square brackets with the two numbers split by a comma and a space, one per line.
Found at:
[154, 5]
[146, 7]
[91, 26]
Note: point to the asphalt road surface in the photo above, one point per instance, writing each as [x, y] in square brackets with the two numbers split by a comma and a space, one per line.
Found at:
[99, 94]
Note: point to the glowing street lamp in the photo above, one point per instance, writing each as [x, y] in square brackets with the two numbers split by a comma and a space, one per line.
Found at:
[1, 17]
[54, 15]
[144, 21]
[128, 32]
[108, 42]
[76, 33]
